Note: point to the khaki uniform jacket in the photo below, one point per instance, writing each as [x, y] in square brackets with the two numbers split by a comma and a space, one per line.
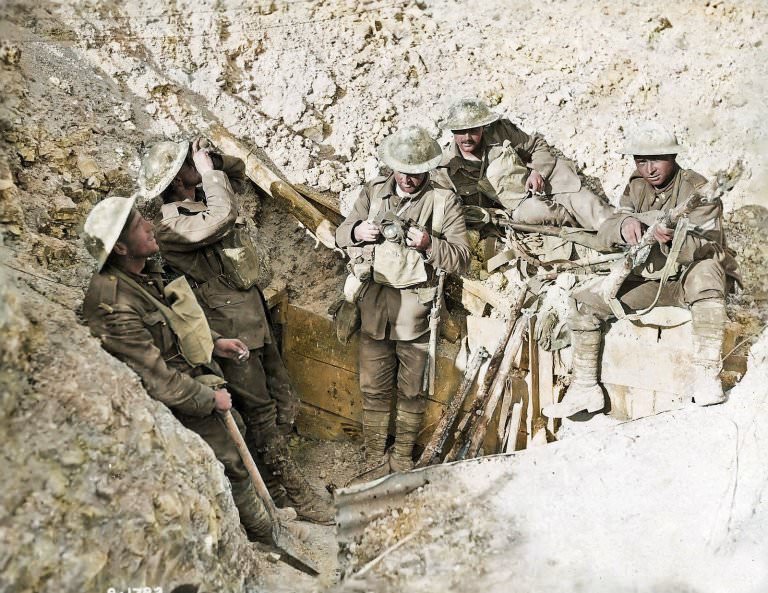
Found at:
[133, 330]
[705, 238]
[559, 174]
[188, 231]
[404, 312]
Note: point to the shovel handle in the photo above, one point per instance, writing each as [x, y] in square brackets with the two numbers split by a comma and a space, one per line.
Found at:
[250, 465]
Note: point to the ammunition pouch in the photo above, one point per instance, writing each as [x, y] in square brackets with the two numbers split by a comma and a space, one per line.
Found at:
[238, 256]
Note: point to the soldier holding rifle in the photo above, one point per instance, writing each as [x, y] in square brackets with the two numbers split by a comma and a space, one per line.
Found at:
[687, 266]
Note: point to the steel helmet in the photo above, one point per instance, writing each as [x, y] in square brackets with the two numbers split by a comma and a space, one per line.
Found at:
[410, 150]
[650, 139]
[468, 113]
[160, 165]
[104, 225]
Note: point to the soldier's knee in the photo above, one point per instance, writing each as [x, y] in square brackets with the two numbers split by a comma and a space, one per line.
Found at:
[581, 317]
[705, 279]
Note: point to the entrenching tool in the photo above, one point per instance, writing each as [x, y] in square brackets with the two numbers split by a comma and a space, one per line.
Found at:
[282, 539]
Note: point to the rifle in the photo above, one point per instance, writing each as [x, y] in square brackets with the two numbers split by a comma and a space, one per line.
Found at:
[637, 255]
[428, 383]
[499, 218]
[434, 448]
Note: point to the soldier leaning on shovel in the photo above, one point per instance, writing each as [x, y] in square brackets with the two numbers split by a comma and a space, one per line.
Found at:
[491, 163]
[123, 308]
[701, 270]
[202, 237]
[396, 283]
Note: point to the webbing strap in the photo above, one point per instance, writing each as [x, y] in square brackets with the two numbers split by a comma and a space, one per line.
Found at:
[438, 212]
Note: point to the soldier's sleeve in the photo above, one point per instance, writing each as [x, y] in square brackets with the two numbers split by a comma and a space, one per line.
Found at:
[609, 232]
[182, 230]
[450, 250]
[234, 167]
[356, 216]
[705, 238]
[122, 334]
[532, 148]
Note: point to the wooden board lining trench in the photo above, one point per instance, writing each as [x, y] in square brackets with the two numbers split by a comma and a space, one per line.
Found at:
[324, 373]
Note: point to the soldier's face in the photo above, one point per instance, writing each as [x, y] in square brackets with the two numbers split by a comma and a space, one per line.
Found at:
[656, 169]
[469, 140]
[138, 239]
[410, 182]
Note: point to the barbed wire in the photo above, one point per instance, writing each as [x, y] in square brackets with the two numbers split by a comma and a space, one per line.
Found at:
[112, 35]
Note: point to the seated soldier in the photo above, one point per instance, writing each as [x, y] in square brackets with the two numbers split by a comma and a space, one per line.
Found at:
[701, 272]
[491, 163]
[123, 309]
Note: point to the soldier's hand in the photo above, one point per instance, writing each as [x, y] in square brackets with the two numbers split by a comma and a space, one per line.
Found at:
[231, 348]
[418, 239]
[223, 401]
[631, 230]
[535, 182]
[662, 234]
[200, 156]
[366, 232]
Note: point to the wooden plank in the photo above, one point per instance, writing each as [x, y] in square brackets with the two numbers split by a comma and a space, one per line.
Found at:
[534, 378]
[547, 393]
[325, 386]
[274, 295]
[486, 332]
[514, 440]
[476, 292]
[506, 405]
[320, 424]
[630, 351]
[313, 336]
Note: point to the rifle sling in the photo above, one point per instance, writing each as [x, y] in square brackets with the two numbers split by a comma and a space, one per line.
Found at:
[681, 231]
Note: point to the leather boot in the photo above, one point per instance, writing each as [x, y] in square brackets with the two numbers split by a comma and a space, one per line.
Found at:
[275, 488]
[253, 515]
[584, 392]
[708, 320]
[305, 501]
[375, 431]
[255, 434]
[410, 416]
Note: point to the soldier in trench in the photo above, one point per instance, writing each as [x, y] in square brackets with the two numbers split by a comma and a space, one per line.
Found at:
[121, 308]
[492, 163]
[701, 273]
[396, 278]
[202, 236]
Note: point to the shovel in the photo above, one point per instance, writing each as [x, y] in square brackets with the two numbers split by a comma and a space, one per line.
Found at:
[282, 539]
